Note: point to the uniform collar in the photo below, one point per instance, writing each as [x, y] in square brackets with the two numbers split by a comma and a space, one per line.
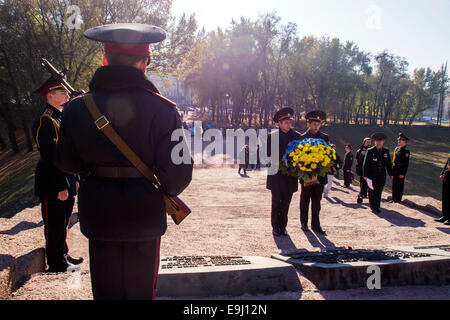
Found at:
[120, 78]
[314, 134]
[55, 111]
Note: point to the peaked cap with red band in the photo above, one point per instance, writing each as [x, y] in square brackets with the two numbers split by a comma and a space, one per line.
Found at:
[283, 114]
[316, 115]
[49, 85]
[126, 38]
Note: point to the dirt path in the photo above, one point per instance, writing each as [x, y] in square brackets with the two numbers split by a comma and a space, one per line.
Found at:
[231, 216]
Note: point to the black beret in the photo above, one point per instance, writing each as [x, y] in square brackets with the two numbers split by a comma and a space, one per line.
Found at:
[316, 115]
[379, 136]
[283, 114]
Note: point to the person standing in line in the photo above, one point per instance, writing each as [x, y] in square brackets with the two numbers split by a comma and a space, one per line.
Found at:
[445, 178]
[376, 163]
[348, 162]
[360, 154]
[400, 163]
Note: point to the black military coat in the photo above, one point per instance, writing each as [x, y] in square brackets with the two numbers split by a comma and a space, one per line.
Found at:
[122, 209]
[446, 167]
[400, 161]
[49, 180]
[319, 135]
[376, 163]
[360, 154]
[279, 182]
[348, 161]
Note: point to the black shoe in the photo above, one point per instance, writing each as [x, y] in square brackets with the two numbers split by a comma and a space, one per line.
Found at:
[441, 219]
[319, 230]
[284, 232]
[304, 227]
[74, 261]
[58, 268]
[359, 200]
[447, 223]
[276, 233]
[378, 210]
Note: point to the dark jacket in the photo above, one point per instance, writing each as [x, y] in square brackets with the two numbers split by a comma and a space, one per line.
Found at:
[122, 209]
[348, 161]
[400, 161]
[376, 163]
[360, 154]
[49, 180]
[279, 182]
[446, 167]
[319, 135]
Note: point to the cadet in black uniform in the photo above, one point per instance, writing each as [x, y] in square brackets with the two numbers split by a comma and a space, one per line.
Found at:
[360, 154]
[313, 193]
[348, 162]
[55, 189]
[445, 178]
[122, 213]
[376, 162]
[281, 186]
[400, 164]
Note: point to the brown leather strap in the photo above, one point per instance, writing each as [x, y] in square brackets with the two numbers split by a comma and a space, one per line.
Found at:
[103, 124]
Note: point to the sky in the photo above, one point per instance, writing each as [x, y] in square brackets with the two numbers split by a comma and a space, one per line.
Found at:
[417, 30]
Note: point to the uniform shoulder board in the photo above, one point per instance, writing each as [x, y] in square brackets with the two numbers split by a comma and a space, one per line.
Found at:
[47, 113]
[162, 97]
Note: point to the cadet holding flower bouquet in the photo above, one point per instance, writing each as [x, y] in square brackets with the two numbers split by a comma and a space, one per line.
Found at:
[314, 161]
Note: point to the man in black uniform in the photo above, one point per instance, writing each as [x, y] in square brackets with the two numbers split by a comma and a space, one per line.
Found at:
[55, 189]
[313, 193]
[445, 178]
[281, 186]
[122, 213]
[400, 164]
[376, 162]
[360, 154]
[348, 162]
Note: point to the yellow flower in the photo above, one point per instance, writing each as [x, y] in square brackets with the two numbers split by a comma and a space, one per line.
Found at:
[291, 154]
[334, 157]
[313, 166]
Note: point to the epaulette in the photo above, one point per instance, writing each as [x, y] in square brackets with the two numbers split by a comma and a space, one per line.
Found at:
[162, 97]
[47, 113]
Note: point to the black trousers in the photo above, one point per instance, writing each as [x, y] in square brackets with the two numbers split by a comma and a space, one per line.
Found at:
[347, 178]
[124, 270]
[375, 195]
[446, 195]
[56, 214]
[280, 209]
[362, 187]
[311, 194]
[397, 188]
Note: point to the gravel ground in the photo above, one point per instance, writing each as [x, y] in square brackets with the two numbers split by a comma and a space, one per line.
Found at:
[231, 216]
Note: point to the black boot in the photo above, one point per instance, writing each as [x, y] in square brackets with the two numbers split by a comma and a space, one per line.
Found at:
[359, 200]
[441, 219]
[74, 261]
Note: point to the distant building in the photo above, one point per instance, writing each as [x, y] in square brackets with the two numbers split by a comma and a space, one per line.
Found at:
[173, 88]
